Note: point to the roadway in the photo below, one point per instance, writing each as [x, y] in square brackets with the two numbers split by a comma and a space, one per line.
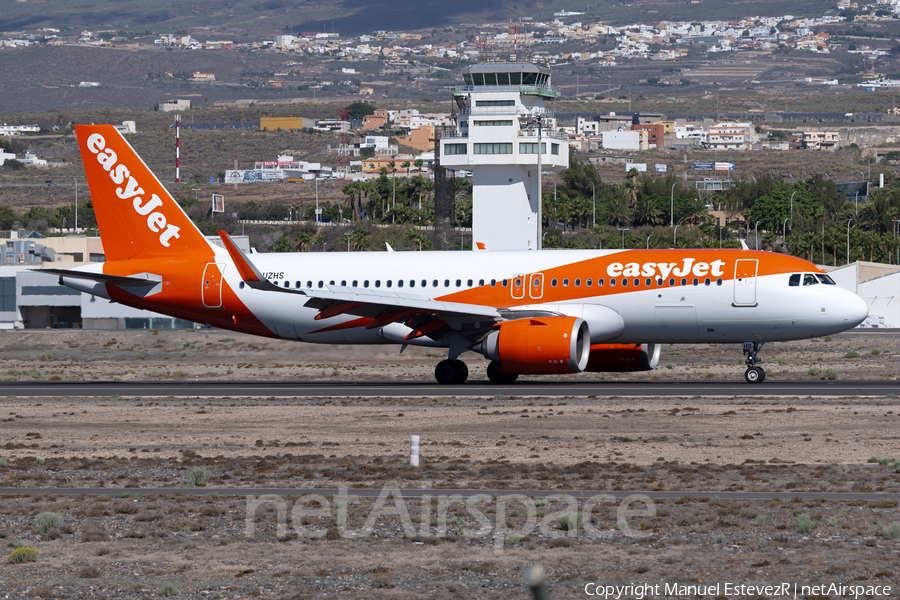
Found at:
[465, 493]
[375, 389]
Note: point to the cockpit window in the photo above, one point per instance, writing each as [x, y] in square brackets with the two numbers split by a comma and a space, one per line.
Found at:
[825, 279]
[795, 280]
[810, 279]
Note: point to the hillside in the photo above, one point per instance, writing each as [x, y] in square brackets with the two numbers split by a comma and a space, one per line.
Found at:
[266, 17]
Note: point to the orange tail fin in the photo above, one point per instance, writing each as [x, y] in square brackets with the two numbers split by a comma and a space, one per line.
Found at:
[136, 215]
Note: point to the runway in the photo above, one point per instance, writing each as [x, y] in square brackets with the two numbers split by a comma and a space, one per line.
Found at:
[465, 493]
[375, 389]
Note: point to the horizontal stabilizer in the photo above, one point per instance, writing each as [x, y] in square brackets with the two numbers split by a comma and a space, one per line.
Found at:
[100, 277]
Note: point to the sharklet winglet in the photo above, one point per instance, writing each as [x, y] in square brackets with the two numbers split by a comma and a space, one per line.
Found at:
[248, 271]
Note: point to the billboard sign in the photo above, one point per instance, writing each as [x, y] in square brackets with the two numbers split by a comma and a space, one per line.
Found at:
[660, 168]
[218, 203]
[724, 166]
[258, 175]
[703, 166]
[641, 167]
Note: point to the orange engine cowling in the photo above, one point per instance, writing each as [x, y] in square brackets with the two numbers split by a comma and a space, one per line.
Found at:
[540, 345]
[623, 357]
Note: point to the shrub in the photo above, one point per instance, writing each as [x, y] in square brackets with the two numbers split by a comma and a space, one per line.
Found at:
[180, 374]
[3, 461]
[23, 555]
[875, 352]
[829, 374]
[884, 461]
[897, 466]
[48, 523]
[569, 521]
[890, 531]
[168, 589]
[198, 477]
[89, 573]
[805, 522]
[814, 371]
[852, 354]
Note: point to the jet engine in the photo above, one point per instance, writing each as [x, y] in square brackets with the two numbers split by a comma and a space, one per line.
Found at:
[623, 357]
[540, 345]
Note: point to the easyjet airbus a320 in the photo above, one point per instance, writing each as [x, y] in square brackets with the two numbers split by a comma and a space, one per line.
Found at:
[537, 312]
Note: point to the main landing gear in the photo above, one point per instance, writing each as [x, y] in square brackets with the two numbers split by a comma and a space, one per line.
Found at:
[753, 374]
[451, 372]
[497, 376]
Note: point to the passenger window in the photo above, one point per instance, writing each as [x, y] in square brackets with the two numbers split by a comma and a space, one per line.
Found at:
[286, 285]
[683, 281]
[624, 282]
[377, 283]
[299, 284]
[458, 283]
[505, 282]
[518, 282]
[552, 283]
[810, 279]
[600, 283]
[355, 282]
[637, 282]
[825, 279]
[309, 284]
[446, 283]
[649, 282]
[566, 282]
[493, 283]
[399, 283]
[671, 281]
[424, 283]
[659, 281]
[481, 283]
[577, 283]
[366, 283]
[612, 282]
[389, 283]
[329, 283]
[434, 283]
[795, 280]
[719, 281]
[588, 282]
[241, 285]
[321, 284]
[696, 281]
[707, 281]
[343, 283]
[469, 284]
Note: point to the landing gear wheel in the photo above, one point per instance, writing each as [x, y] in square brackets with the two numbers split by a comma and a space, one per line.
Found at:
[496, 376]
[462, 371]
[755, 375]
[448, 372]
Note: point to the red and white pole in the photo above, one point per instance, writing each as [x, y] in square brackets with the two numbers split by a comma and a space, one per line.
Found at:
[177, 148]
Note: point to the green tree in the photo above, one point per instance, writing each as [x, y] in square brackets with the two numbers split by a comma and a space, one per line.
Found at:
[8, 217]
[358, 110]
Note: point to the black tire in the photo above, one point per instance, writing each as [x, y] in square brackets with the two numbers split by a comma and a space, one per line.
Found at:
[446, 372]
[755, 375]
[496, 376]
[462, 372]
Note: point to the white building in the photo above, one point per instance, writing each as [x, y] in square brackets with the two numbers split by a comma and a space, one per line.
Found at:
[624, 140]
[730, 136]
[503, 112]
[11, 130]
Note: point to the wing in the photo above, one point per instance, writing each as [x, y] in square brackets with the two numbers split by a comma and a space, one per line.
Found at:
[423, 316]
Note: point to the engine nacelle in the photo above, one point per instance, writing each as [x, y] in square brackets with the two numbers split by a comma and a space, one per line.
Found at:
[623, 357]
[544, 345]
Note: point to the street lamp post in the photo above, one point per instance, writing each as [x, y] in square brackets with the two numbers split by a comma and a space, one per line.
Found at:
[623, 230]
[792, 210]
[783, 236]
[76, 205]
[594, 202]
[756, 234]
[675, 236]
[848, 240]
[672, 205]
[317, 198]
[648, 241]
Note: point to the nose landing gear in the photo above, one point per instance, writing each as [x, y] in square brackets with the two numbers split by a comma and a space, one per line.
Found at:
[753, 374]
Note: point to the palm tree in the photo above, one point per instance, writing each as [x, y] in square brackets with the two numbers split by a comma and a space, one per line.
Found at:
[647, 213]
[632, 187]
[615, 211]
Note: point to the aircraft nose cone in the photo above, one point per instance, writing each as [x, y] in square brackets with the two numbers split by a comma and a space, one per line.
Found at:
[855, 310]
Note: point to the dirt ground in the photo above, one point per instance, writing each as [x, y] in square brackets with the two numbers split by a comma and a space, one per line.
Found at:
[129, 544]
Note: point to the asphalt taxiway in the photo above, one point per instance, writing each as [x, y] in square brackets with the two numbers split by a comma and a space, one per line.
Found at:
[376, 389]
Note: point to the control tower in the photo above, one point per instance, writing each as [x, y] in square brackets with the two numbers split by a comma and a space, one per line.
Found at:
[503, 113]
